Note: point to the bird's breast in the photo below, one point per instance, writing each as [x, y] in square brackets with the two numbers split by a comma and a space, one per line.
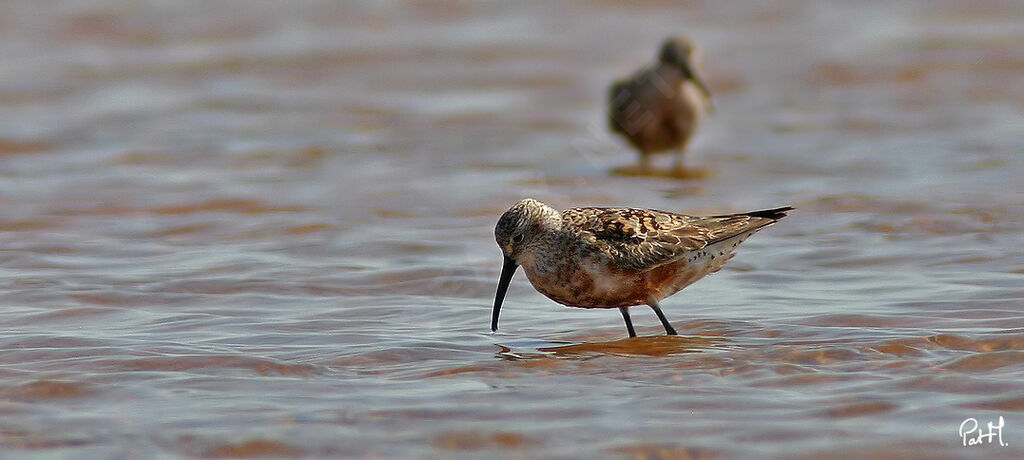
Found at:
[588, 284]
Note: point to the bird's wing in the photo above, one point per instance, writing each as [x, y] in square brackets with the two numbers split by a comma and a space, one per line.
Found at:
[618, 101]
[642, 239]
[643, 99]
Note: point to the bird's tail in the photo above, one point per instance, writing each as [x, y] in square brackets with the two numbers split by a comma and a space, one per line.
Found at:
[774, 214]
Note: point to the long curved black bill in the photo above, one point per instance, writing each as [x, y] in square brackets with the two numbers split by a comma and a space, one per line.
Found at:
[508, 268]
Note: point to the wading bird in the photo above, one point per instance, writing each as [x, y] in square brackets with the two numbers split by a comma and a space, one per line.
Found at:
[616, 257]
[659, 108]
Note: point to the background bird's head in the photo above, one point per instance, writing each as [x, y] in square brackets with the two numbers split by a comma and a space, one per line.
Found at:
[680, 53]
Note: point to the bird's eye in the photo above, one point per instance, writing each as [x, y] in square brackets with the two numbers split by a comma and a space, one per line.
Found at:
[518, 238]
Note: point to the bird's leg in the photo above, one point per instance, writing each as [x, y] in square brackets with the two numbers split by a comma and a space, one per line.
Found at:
[661, 316]
[629, 322]
[678, 165]
[645, 163]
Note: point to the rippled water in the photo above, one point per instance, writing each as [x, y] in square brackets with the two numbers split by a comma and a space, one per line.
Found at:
[266, 230]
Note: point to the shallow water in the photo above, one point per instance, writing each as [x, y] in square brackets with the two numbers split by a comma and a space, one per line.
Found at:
[267, 231]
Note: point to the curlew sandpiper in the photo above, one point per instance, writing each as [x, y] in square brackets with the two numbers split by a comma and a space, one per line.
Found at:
[616, 257]
[659, 108]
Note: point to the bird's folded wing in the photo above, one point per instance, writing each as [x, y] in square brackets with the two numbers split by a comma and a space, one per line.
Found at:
[640, 239]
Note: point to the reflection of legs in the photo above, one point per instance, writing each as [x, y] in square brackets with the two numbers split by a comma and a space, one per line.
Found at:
[629, 322]
[664, 322]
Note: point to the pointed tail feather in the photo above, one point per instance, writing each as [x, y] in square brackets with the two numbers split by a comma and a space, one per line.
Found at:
[732, 225]
[775, 214]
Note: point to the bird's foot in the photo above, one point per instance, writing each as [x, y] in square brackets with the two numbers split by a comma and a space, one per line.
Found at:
[632, 170]
[683, 173]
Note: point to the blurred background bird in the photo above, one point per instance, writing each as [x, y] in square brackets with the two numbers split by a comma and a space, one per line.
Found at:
[659, 108]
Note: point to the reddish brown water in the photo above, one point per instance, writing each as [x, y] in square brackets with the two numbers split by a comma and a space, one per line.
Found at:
[266, 230]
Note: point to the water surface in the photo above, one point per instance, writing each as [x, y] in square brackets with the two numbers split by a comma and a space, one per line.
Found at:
[267, 231]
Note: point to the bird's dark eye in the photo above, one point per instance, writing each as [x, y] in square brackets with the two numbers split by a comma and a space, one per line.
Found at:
[518, 238]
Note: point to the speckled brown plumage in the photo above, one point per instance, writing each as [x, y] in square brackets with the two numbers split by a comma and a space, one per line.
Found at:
[659, 108]
[617, 257]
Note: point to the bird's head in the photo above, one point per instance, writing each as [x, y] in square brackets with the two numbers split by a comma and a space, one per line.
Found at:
[522, 224]
[680, 53]
[518, 229]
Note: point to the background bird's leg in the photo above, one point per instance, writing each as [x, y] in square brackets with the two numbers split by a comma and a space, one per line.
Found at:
[678, 165]
[629, 322]
[664, 322]
[645, 162]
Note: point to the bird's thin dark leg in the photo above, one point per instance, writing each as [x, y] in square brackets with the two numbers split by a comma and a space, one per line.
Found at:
[664, 322]
[629, 322]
